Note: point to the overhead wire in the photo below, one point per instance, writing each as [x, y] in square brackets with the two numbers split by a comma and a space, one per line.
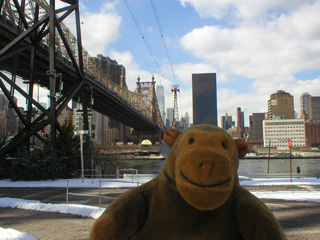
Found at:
[142, 35]
[162, 36]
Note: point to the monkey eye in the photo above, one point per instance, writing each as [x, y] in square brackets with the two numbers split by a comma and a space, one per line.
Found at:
[191, 140]
[224, 145]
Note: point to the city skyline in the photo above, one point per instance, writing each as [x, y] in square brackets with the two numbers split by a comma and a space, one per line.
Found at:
[255, 49]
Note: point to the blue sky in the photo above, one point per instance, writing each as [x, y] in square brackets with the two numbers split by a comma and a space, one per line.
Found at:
[255, 47]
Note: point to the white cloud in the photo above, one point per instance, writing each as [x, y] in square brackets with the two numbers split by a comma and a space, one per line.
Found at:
[184, 71]
[242, 10]
[269, 52]
[255, 51]
[100, 29]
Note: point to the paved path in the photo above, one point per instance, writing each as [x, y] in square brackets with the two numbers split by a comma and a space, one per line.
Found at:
[300, 220]
[46, 226]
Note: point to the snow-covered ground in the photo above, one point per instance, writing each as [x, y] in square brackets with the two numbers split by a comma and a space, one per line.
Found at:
[94, 212]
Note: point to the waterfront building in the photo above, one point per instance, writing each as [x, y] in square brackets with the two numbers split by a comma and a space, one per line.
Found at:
[310, 107]
[255, 124]
[226, 122]
[240, 121]
[161, 101]
[315, 109]
[278, 132]
[204, 96]
[113, 136]
[312, 134]
[280, 105]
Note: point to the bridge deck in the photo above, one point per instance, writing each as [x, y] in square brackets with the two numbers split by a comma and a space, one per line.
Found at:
[106, 101]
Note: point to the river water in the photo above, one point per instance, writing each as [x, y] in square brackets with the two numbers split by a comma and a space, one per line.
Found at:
[246, 166]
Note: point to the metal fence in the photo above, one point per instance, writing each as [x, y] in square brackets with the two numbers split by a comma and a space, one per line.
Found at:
[100, 196]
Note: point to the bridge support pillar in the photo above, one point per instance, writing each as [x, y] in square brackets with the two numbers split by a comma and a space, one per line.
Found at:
[52, 73]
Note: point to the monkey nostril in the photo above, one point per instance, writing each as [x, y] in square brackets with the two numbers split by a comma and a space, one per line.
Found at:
[224, 145]
[206, 165]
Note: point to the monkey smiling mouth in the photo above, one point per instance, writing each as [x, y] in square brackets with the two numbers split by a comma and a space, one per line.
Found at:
[204, 186]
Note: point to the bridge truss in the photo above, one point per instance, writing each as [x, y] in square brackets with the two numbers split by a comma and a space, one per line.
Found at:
[37, 46]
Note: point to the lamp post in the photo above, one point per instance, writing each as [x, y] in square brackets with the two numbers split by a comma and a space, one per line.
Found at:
[290, 147]
[269, 156]
[81, 133]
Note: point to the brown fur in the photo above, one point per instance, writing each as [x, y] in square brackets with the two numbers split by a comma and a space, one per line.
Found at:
[196, 196]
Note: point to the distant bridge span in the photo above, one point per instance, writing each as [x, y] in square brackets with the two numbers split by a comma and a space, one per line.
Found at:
[37, 47]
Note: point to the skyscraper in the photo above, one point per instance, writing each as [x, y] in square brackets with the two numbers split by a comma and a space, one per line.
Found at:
[204, 94]
[161, 101]
[305, 105]
[240, 121]
[280, 105]
[101, 129]
[226, 122]
[169, 116]
[187, 119]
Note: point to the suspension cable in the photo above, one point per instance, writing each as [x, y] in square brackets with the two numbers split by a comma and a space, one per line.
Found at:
[142, 35]
[162, 36]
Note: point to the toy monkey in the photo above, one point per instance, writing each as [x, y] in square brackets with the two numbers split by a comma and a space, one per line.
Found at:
[196, 196]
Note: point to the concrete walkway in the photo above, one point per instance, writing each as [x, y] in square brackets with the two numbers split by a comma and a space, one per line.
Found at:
[46, 226]
[300, 220]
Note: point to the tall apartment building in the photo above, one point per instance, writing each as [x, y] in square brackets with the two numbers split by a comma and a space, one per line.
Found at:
[278, 132]
[101, 124]
[117, 74]
[111, 68]
[255, 124]
[226, 122]
[204, 95]
[280, 105]
[161, 101]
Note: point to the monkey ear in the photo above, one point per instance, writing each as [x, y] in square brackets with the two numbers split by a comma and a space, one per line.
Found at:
[242, 147]
[170, 136]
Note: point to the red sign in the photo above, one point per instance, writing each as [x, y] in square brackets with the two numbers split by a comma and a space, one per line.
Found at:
[289, 143]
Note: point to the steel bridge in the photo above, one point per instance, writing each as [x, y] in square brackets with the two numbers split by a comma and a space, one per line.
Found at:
[36, 46]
